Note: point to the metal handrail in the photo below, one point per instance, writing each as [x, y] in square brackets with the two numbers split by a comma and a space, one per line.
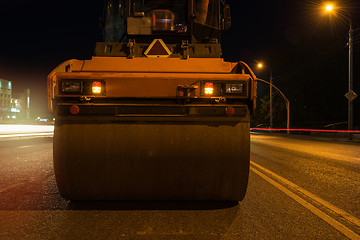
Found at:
[287, 103]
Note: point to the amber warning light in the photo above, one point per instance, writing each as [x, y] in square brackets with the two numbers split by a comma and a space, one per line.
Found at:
[96, 87]
[209, 88]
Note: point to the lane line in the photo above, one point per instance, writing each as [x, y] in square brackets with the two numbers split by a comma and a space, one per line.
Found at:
[315, 198]
[340, 227]
[11, 187]
[27, 146]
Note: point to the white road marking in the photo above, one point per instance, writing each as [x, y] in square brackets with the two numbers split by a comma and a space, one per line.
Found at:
[337, 225]
[28, 146]
[321, 201]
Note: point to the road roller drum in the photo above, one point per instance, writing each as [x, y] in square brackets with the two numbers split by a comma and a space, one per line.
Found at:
[151, 161]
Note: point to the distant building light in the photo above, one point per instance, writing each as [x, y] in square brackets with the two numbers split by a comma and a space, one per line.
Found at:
[13, 117]
[9, 85]
[15, 110]
[43, 120]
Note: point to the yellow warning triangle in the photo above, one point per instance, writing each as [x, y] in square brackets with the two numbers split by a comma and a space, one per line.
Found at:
[157, 49]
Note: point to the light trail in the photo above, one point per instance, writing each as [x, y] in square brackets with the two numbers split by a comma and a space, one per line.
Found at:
[305, 130]
[25, 135]
[22, 129]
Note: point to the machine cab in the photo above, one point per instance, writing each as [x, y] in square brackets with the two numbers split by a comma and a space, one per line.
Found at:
[197, 21]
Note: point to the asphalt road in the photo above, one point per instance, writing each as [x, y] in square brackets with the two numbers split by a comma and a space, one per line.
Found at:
[298, 189]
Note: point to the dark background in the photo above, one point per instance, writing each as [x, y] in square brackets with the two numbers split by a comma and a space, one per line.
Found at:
[305, 48]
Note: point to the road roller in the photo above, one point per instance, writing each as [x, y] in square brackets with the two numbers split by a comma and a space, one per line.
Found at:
[156, 114]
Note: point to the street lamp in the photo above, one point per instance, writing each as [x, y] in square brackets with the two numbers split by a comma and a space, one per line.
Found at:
[350, 95]
[261, 65]
[329, 8]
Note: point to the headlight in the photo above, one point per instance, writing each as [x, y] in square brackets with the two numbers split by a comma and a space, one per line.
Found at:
[71, 87]
[237, 88]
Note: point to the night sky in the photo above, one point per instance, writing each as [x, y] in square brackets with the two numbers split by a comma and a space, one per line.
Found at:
[305, 48]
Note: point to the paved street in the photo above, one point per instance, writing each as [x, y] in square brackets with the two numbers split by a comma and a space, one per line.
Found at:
[298, 189]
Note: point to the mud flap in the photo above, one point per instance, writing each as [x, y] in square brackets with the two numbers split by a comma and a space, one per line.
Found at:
[152, 161]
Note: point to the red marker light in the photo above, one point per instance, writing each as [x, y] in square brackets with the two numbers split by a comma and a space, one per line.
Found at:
[96, 87]
[74, 109]
[230, 111]
[209, 88]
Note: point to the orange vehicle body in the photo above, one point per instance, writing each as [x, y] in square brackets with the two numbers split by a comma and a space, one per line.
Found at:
[149, 77]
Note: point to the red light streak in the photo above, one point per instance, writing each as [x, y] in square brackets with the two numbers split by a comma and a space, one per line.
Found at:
[305, 130]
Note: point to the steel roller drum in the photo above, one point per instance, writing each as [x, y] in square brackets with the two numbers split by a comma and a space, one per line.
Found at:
[151, 161]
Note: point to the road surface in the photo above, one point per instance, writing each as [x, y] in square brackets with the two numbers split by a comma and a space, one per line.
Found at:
[298, 189]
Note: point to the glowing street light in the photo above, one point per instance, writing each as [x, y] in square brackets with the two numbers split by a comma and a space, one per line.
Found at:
[261, 65]
[350, 95]
[329, 8]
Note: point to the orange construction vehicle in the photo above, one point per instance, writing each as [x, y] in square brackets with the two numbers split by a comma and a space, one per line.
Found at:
[156, 114]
